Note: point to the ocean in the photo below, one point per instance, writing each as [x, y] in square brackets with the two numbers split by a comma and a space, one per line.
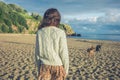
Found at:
[110, 37]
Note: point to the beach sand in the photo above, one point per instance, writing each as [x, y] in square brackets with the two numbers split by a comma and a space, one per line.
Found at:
[17, 59]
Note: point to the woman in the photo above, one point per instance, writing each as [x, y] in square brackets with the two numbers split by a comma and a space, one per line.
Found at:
[51, 52]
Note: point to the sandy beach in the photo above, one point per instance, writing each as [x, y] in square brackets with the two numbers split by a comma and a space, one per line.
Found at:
[17, 59]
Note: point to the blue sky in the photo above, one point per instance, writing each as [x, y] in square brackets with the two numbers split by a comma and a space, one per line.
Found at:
[84, 16]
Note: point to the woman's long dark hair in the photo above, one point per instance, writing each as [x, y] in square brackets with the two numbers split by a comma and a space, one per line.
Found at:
[49, 15]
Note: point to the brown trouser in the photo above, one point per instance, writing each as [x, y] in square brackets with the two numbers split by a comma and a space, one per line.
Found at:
[48, 72]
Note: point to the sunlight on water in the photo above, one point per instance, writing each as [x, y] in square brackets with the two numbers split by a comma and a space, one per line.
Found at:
[111, 37]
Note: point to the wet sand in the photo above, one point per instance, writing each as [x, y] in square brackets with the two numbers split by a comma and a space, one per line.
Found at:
[17, 59]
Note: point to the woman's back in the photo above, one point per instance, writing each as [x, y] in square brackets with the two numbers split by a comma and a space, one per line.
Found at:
[49, 39]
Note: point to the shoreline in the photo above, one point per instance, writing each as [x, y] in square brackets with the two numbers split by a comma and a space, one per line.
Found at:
[94, 39]
[77, 38]
[109, 37]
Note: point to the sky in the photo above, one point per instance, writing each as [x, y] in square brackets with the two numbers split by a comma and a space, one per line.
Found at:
[84, 16]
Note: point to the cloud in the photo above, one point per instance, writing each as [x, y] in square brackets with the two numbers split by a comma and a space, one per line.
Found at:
[111, 17]
[89, 6]
[89, 29]
[1, 0]
[108, 23]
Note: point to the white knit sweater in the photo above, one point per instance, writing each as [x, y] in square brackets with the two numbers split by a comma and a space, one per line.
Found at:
[51, 47]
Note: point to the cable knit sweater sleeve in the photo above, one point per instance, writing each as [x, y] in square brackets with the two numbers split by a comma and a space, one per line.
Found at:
[64, 52]
[37, 51]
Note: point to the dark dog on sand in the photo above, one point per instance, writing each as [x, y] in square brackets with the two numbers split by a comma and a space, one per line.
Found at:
[98, 48]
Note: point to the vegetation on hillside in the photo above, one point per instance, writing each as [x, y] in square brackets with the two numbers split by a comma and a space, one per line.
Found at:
[14, 19]
[67, 28]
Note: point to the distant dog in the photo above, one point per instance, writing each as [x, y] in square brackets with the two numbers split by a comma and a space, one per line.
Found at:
[91, 51]
[98, 48]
